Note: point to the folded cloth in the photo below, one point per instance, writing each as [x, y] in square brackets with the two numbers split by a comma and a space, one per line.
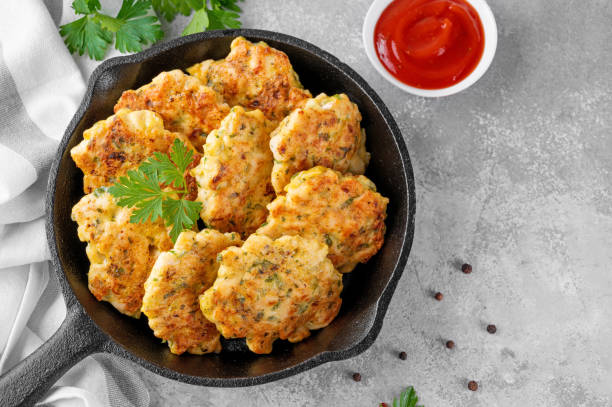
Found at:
[41, 86]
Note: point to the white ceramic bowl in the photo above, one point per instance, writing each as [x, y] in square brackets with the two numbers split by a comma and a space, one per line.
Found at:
[490, 35]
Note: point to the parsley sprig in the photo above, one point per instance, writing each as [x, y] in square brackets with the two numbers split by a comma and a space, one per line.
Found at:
[157, 190]
[408, 398]
[133, 28]
[93, 33]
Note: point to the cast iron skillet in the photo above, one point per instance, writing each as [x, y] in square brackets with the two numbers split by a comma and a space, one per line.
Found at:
[93, 326]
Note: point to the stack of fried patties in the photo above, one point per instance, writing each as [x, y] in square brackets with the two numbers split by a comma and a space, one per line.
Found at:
[285, 207]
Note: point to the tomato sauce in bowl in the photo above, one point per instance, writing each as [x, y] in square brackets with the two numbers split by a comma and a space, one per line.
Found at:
[429, 44]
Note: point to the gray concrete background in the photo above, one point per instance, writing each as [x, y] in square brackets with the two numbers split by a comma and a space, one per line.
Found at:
[513, 176]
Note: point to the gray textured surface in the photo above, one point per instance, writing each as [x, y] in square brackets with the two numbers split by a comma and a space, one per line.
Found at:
[514, 176]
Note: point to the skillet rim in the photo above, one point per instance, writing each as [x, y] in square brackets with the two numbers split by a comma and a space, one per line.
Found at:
[110, 345]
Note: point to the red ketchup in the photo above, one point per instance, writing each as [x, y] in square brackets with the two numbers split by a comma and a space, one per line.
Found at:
[429, 44]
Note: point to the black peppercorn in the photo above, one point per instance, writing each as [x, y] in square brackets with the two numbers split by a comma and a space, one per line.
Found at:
[466, 268]
[403, 355]
[472, 385]
[450, 344]
[357, 377]
[438, 296]
[491, 329]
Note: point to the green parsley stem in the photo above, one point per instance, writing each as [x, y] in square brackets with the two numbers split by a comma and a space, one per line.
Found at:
[110, 23]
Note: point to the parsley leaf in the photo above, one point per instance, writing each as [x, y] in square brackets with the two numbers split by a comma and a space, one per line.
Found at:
[170, 8]
[152, 209]
[170, 169]
[221, 19]
[181, 214]
[133, 34]
[408, 398]
[214, 15]
[133, 8]
[181, 156]
[136, 188]
[198, 23]
[86, 6]
[153, 190]
[86, 35]
[136, 30]
[167, 171]
[227, 4]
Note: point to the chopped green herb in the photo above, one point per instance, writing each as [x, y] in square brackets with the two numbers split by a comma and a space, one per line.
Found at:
[302, 308]
[169, 294]
[347, 203]
[328, 240]
[99, 191]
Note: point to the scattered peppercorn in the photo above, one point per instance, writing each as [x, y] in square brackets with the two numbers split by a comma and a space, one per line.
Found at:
[450, 344]
[403, 355]
[357, 377]
[438, 296]
[466, 268]
[491, 329]
[472, 385]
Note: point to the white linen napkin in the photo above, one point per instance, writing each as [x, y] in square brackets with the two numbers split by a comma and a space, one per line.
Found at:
[41, 86]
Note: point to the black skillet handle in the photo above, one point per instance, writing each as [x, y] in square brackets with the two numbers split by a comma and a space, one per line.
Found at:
[75, 339]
